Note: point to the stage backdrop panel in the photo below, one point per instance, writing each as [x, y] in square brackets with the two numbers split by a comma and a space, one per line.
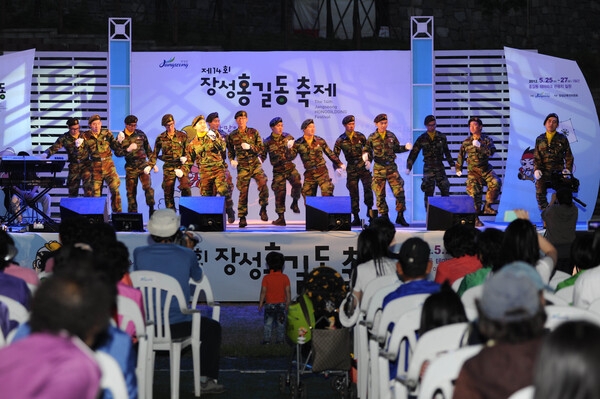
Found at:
[538, 85]
[322, 85]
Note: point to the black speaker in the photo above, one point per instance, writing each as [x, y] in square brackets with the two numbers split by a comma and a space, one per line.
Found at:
[203, 213]
[92, 208]
[328, 213]
[128, 221]
[444, 212]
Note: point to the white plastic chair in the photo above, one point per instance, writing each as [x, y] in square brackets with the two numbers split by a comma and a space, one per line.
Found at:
[566, 293]
[16, 312]
[429, 346]
[524, 393]
[456, 283]
[468, 297]
[559, 314]
[595, 306]
[552, 298]
[203, 287]
[442, 373]
[159, 290]
[130, 312]
[112, 377]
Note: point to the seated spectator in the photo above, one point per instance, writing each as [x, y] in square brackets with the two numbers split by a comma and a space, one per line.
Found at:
[460, 243]
[489, 243]
[560, 219]
[11, 286]
[569, 362]
[582, 258]
[25, 273]
[179, 262]
[587, 286]
[511, 314]
[442, 308]
[53, 362]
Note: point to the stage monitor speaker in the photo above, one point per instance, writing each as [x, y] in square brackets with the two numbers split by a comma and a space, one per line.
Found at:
[128, 221]
[93, 209]
[444, 212]
[203, 213]
[328, 213]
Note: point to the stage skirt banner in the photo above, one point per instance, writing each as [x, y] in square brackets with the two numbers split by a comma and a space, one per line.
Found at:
[324, 86]
[235, 262]
[16, 70]
[539, 85]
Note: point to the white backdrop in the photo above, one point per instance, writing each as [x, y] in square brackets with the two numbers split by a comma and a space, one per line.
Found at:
[324, 86]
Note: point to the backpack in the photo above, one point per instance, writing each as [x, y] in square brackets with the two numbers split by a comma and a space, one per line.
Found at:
[300, 320]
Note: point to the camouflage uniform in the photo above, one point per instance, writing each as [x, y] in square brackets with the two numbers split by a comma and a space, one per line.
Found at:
[207, 154]
[383, 150]
[480, 172]
[283, 169]
[103, 166]
[80, 165]
[249, 166]
[355, 168]
[135, 162]
[550, 158]
[434, 151]
[315, 170]
[172, 149]
[226, 167]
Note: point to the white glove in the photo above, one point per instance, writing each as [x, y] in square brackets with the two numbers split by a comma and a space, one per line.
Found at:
[367, 164]
[234, 163]
[245, 146]
[211, 135]
[120, 137]
[147, 169]
[183, 160]
[132, 147]
[78, 142]
[179, 173]
[290, 144]
[44, 155]
[537, 174]
[365, 157]
[340, 171]
[458, 173]
[155, 168]
[407, 172]
[343, 167]
[566, 172]
[476, 143]
[408, 146]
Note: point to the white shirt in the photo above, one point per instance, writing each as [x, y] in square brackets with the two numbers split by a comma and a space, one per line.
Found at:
[587, 288]
[367, 272]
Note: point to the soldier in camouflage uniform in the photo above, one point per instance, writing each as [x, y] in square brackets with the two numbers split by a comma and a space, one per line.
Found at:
[381, 148]
[80, 165]
[311, 149]
[139, 160]
[477, 150]
[435, 148]
[351, 143]
[206, 151]
[214, 123]
[244, 146]
[552, 154]
[170, 147]
[283, 169]
[102, 143]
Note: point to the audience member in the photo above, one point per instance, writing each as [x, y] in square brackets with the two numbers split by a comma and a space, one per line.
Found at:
[11, 286]
[587, 286]
[25, 273]
[460, 243]
[489, 244]
[275, 297]
[560, 219]
[511, 314]
[70, 231]
[569, 362]
[442, 308]
[582, 258]
[165, 256]
[523, 243]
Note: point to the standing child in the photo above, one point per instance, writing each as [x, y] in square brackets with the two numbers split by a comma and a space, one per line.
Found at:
[275, 296]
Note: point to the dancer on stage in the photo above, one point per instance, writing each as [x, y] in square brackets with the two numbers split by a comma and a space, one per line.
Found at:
[244, 147]
[311, 149]
[476, 150]
[551, 155]
[206, 151]
[435, 148]
[170, 148]
[214, 124]
[80, 165]
[283, 169]
[102, 143]
[381, 148]
[351, 143]
[139, 160]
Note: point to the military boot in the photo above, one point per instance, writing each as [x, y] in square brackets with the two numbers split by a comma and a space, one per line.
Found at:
[488, 210]
[280, 221]
[243, 222]
[294, 206]
[230, 215]
[400, 220]
[478, 222]
[150, 210]
[356, 221]
[263, 213]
